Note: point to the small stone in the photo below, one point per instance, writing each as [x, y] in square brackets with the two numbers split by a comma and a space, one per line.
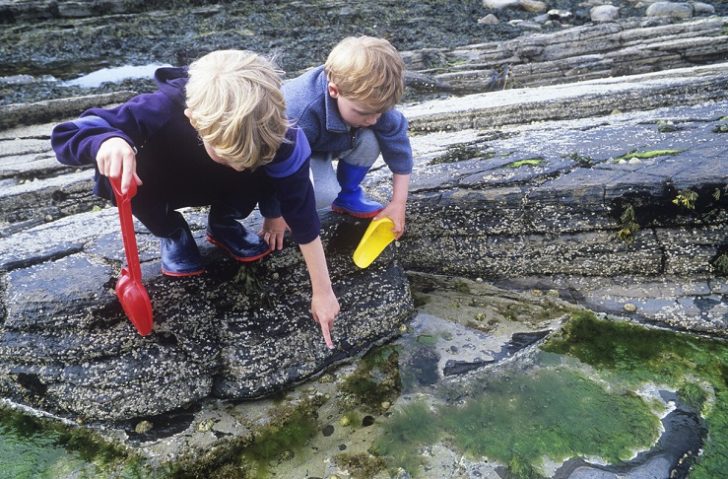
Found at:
[634, 161]
[205, 426]
[326, 378]
[327, 430]
[403, 328]
[536, 292]
[700, 8]
[489, 19]
[500, 4]
[533, 6]
[553, 293]
[344, 421]
[385, 405]
[604, 13]
[670, 9]
[556, 14]
[143, 427]
[630, 307]
[367, 421]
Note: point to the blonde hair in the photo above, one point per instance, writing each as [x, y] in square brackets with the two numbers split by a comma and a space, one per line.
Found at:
[236, 106]
[368, 70]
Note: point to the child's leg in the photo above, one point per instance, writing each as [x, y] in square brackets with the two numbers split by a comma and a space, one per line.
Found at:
[323, 177]
[353, 167]
[224, 229]
[179, 253]
[325, 186]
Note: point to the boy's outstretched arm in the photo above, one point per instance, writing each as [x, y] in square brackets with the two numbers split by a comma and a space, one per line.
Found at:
[396, 208]
[324, 305]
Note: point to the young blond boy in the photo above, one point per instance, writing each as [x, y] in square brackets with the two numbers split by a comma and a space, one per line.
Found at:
[346, 109]
[214, 134]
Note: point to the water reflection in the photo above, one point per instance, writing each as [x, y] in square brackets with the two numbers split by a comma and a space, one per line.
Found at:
[115, 74]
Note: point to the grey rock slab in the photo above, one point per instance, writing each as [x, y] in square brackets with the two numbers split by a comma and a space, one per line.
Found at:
[237, 332]
[45, 111]
[29, 165]
[581, 99]
[22, 146]
[36, 131]
[689, 303]
[56, 239]
[690, 250]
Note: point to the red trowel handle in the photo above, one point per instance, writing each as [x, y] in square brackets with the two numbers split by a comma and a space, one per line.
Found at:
[123, 203]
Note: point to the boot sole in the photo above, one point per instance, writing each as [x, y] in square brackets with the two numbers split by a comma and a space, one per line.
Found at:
[355, 214]
[174, 274]
[240, 259]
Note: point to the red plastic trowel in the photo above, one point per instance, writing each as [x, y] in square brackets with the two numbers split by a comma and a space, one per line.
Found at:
[129, 288]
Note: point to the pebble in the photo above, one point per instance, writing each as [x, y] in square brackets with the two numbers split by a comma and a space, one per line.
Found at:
[489, 19]
[205, 426]
[604, 13]
[630, 307]
[670, 9]
[143, 427]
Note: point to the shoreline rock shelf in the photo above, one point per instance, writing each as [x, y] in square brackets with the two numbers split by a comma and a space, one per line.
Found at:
[611, 192]
[238, 332]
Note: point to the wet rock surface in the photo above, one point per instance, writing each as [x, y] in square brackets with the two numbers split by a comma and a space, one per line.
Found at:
[552, 156]
[237, 332]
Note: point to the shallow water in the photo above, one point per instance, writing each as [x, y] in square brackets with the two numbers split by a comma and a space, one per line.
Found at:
[27, 452]
[455, 397]
[115, 75]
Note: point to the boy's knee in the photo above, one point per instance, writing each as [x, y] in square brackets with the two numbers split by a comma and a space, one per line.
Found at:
[365, 151]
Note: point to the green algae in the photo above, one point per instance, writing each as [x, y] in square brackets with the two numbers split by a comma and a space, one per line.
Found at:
[278, 440]
[686, 199]
[409, 428]
[646, 155]
[628, 225]
[290, 428]
[40, 448]
[720, 264]
[639, 355]
[537, 161]
[556, 409]
[520, 419]
[360, 465]
[722, 128]
[376, 379]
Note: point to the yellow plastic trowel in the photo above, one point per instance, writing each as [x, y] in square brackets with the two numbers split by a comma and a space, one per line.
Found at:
[377, 236]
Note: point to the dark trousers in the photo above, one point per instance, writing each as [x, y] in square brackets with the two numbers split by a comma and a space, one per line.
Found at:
[156, 208]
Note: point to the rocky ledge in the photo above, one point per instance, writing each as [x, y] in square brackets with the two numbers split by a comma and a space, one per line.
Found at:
[608, 189]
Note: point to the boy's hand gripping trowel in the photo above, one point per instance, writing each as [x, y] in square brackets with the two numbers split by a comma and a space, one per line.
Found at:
[129, 288]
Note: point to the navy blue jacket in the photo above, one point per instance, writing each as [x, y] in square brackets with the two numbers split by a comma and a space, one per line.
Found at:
[172, 161]
[309, 104]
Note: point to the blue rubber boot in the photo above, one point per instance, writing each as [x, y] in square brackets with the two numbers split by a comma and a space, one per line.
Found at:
[180, 256]
[224, 231]
[351, 199]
